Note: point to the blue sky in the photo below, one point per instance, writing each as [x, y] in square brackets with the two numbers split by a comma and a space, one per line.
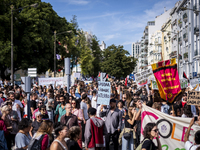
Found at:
[118, 22]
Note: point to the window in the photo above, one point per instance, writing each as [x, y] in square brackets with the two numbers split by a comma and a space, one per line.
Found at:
[167, 49]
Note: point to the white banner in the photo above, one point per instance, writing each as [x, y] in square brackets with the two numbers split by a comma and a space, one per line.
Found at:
[171, 129]
[48, 81]
[144, 77]
[103, 93]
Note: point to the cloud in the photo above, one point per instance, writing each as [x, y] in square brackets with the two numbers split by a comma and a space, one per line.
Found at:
[76, 2]
[100, 16]
[111, 36]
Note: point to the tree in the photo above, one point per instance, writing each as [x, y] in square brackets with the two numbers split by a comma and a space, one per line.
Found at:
[33, 35]
[117, 61]
[97, 54]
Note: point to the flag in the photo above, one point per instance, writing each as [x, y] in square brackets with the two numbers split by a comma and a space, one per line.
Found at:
[126, 81]
[99, 75]
[167, 79]
[107, 76]
[184, 75]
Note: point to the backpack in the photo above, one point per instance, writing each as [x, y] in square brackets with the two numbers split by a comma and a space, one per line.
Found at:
[35, 144]
[140, 146]
[3, 143]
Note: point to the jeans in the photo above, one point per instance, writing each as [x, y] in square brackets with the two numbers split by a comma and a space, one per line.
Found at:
[128, 144]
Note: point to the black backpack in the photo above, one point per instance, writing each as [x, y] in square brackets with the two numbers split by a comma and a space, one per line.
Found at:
[35, 144]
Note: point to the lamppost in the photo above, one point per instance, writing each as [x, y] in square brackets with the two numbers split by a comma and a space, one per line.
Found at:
[55, 33]
[177, 34]
[12, 9]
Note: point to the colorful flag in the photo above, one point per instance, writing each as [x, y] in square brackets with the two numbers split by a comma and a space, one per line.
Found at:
[126, 81]
[184, 75]
[167, 79]
[99, 75]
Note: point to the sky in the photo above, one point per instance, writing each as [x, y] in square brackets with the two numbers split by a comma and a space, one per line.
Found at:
[119, 22]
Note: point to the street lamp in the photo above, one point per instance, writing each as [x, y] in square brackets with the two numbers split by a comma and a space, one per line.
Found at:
[176, 33]
[12, 9]
[55, 33]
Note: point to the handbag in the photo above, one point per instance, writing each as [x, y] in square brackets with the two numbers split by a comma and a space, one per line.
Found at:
[127, 135]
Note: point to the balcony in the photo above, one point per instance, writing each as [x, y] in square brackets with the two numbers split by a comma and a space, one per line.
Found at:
[173, 54]
[174, 22]
[145, 47]
[146, 41]
[180, 23]
[143, 53]
[185, 37]
[185, 17]
[180, 40]
[196, 30]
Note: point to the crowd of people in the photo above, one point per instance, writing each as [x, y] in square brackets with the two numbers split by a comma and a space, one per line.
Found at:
[74, 121]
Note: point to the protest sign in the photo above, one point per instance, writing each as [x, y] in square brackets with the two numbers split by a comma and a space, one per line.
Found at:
[171, 129]
[103, 93]
[193, 98]
[183, 82]
[143, 78]
[48, 81]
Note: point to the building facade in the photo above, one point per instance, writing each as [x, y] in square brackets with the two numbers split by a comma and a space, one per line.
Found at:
[102, 45]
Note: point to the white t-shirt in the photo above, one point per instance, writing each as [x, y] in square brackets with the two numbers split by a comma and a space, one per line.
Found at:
[190, 146]
[94, 102]
[14, 107]
[84, 107]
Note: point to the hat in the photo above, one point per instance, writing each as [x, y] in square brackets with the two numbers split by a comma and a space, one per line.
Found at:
[113, 100]
[92, 111]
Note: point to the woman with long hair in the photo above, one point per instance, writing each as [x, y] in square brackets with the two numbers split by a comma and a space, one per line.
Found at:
[79, 113]
[45, 132]
[4, 116]
[74, 134]
[150, 132]
[23, 138]
[128, 99]
[61, 133]
[129, 124]
[187, 113]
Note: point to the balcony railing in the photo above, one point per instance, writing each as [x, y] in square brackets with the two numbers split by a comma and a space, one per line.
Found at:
[185, 55]
[196, 53]
[180, 40]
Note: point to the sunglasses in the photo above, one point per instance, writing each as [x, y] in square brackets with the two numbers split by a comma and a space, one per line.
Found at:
[43, 109]
[73, 103]
[156, 130]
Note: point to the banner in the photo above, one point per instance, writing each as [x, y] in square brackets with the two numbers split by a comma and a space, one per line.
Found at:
[183, 82]
[171, 129]
[48, 81]
[167, 78]
[193, 98]
[143, 78]
[103, 96]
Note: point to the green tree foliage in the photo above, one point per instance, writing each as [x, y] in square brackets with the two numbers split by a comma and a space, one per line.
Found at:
[117, 62]
[33, 35]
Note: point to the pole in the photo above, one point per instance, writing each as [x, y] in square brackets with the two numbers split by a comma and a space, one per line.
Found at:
[54, 53]
[178, 53]
[12, 71]
[67, 72]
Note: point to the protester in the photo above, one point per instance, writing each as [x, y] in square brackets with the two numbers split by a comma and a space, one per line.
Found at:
[60, 109]
[61, 132]
[50, 105]
[94, 99]
[150, 132]
[23, 138]
[74, 134]
[45, 132]
[17, 105]
[188, 144]
[36, 124]
[93, 131]
[69, 119]
[112, 124]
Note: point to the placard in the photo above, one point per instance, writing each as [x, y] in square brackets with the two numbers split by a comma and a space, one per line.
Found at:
[143, 78]
[48, 81]
[193, 98]
[183, 82]
[103, 96]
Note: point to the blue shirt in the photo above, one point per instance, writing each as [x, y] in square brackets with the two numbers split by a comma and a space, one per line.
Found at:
[21, 140]
[60, 111]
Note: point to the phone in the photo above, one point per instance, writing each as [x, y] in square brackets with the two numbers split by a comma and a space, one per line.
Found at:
[195, 118]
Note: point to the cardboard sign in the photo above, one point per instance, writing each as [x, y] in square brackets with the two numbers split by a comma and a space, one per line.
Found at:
[103, 93]
[183, 82]
[193, 98]
[143, 78]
